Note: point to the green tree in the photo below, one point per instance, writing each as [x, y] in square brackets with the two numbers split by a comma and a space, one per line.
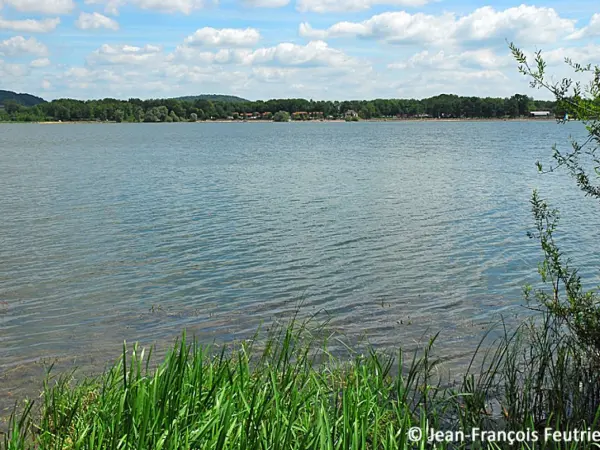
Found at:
[162, 112]
[119, 115]
[138, 113]
[11, 106]
[281, 116]
[152, 115]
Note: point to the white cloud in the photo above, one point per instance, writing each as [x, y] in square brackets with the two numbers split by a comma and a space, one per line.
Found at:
[392, 27]
[10, 71]
[168, 6]
[42, 6]
[171, 6]
[526, 24]
[46, 85]
[591, 30]
[266, 3]
[483, 58]
[315, 53]
[95, 21]
[149, 71]
[340, 29]
[321, 6]
[110, 6]
[178, 78]
[29, 25]
[224, 37]
[274, 74]
[18, 45]
[589, 54]
[39, 63]
[126, 55]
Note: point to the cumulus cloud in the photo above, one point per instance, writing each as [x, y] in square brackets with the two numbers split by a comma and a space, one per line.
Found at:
[224, 37]
[29, 25]
[483, 58]
[591, 30]
[18, 45]
[110, 6]
[46, 85]
[168, 6]
[125, 71]
[39, 63]
[126, 55]
[266, 3]
[42, 6]
[10, 71]
[589, 54]
[95, 21]
[274, 74]
[171, 6]
[322, 6]
[525, 23]
[315, 53]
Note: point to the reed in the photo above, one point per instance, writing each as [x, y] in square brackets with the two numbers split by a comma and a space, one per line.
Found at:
[288, 391]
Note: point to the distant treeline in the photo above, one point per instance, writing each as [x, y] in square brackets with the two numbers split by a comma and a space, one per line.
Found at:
[174, 110]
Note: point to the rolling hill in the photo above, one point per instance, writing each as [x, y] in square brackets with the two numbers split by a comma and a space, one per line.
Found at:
[23, 99]
[213, 97]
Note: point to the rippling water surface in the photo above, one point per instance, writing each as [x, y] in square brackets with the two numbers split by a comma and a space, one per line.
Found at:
[391, 230]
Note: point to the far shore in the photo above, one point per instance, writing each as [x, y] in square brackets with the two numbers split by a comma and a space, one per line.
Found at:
[519, 119]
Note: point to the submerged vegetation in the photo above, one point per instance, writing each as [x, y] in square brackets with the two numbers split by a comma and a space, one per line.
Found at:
[216, 108]
[536, 387]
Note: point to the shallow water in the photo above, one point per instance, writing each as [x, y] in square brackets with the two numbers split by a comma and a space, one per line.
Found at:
[390, 230]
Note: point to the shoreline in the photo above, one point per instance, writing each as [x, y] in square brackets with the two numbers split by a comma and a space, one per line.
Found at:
[94, 122]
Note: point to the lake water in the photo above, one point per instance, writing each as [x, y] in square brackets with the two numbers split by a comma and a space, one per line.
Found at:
[393, 231]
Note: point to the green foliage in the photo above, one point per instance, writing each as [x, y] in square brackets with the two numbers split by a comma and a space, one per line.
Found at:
[281, 116]
[280, 397]
[12, 106]
[119, 115]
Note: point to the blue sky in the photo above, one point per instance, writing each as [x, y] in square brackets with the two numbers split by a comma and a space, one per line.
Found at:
[260, 49]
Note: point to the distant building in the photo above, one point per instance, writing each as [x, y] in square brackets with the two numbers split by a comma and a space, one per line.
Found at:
[539, 114]
[351, 113]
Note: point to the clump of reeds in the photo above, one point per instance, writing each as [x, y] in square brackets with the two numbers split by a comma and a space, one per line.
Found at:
[293, 394]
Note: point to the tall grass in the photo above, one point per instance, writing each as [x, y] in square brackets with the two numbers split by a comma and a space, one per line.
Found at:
[292, 393]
